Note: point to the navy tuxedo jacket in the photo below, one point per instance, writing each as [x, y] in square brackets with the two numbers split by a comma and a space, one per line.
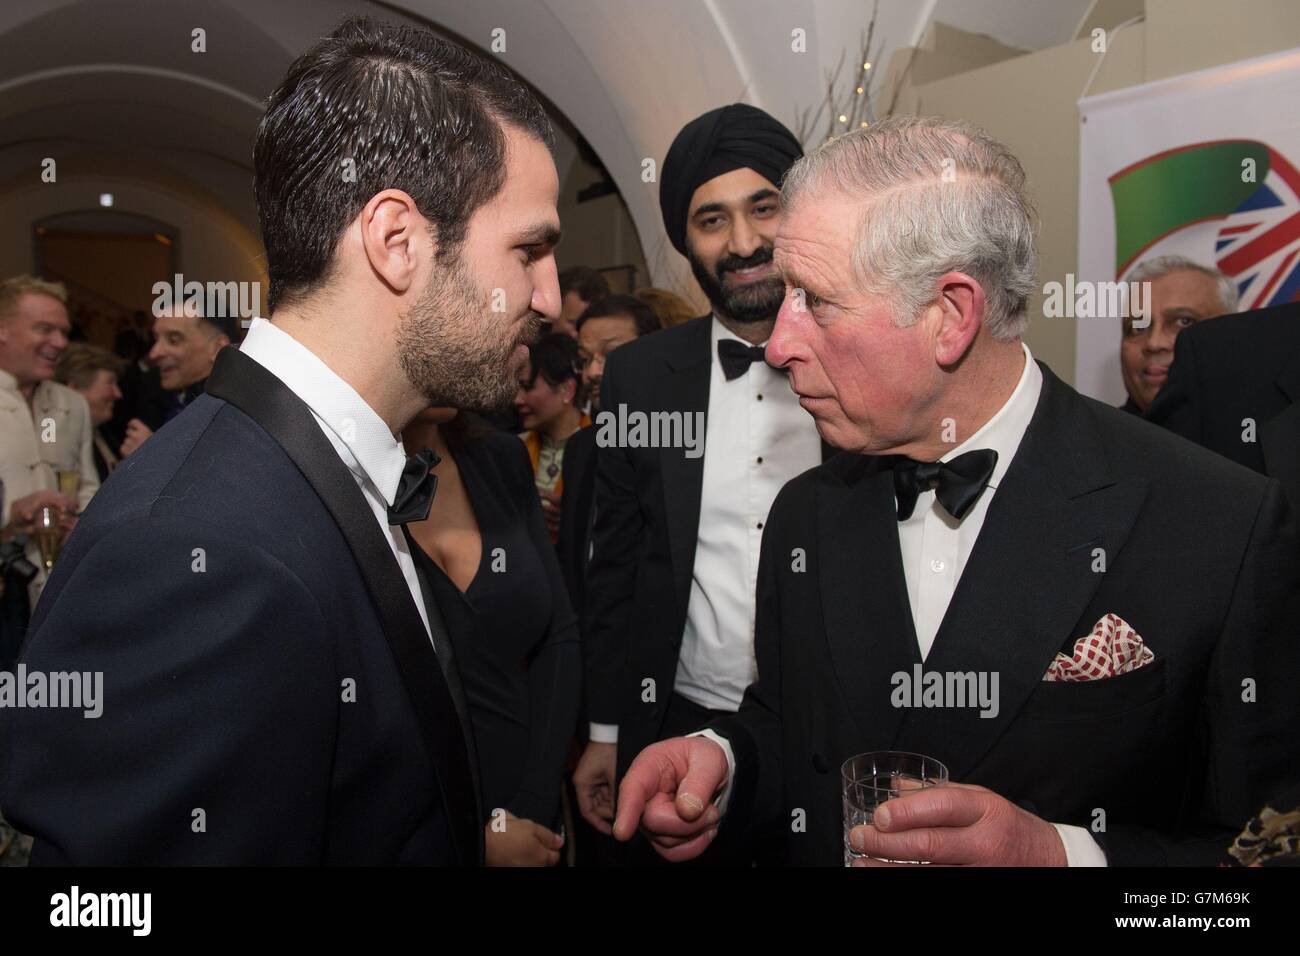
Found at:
[270, 695]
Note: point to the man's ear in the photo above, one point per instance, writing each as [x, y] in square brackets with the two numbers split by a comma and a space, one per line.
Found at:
[961, 311]
[391, 229]
[569, 390]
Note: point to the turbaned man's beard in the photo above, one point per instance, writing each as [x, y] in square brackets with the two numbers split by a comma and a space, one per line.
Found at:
[751, 302]
[452, 349]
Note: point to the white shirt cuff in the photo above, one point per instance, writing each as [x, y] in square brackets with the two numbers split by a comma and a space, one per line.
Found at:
[725, 793]
[1080, 848]
[603, 733]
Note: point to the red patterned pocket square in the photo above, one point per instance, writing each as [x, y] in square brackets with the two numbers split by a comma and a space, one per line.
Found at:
[1113, 648]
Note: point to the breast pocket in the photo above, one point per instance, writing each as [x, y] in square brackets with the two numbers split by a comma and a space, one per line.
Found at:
[1090, 700]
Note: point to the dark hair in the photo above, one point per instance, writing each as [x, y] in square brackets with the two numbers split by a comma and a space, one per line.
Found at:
[465, 429]
[590, 285]
[411, 111]
[623, 306]
[555, 358]
[227, 325]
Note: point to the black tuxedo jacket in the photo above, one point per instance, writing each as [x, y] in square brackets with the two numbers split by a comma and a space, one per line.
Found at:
[1234, 368]
[644, 534]
[1200, 558]
[270, 693]
[576, 512]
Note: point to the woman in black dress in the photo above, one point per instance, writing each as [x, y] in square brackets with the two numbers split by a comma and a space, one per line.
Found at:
[488, 558]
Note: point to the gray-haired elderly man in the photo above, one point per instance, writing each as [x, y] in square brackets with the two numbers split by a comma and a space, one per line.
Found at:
[1182, 293]
[1089, 621]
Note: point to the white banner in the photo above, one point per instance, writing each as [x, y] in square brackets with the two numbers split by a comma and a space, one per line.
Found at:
[1202, 165]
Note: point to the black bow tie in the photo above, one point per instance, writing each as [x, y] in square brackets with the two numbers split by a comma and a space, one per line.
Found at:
[957, 483]
[415, 490]
[736, 357]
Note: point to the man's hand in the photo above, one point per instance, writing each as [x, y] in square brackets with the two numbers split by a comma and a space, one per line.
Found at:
[957, 825]
[551, 511]
[136, 434]
[23, 510]
[593, 780]
[521, 843]
[670, 789]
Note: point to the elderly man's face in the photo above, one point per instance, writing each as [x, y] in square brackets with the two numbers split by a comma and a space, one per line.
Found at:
[33, 337]
[1179, 300]
[869, 385]
[184, 349]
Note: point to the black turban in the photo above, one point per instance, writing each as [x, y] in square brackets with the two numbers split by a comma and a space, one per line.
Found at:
[730, 137]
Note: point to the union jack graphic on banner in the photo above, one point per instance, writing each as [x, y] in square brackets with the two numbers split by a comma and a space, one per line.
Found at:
[1259, 244]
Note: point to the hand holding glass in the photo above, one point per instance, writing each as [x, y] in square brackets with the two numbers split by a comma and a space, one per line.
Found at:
[869, 779]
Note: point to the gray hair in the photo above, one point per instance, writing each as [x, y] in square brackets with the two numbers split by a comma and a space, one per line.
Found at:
[942, 197]
[1148, 270]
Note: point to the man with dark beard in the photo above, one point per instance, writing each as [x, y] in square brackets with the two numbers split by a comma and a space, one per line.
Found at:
[278, 688]
[669, 611]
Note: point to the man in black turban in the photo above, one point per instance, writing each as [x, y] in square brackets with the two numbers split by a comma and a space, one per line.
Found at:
[718, 194]
[667, 622]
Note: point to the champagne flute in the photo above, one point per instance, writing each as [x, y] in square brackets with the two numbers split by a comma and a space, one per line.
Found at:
[49, 535]
[69, 481]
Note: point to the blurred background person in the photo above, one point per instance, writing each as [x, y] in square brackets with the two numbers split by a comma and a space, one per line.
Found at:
[610, 323]
[671, 308]
[1183, 293]
[133, 341]
[143, 395]
[46, 444]
[485, 553]
[94, 373]
[186, 343]
[580, 287]
[548, 408]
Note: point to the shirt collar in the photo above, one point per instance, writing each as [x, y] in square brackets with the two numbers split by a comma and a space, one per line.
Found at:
[1005, 430]
[376, 452]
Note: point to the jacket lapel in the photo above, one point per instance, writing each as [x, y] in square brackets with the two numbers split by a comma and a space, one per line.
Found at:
[1280, 436]
[1031, 574]
[684, 387]
[252, 389]
[864, 598]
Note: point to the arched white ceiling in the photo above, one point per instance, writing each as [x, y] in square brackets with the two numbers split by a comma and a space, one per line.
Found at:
[115, 84]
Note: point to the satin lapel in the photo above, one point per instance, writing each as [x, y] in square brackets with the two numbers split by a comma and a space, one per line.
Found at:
[1280, 436]
[248, 386]
[863, 591]
[684, 387]
[1034, 568]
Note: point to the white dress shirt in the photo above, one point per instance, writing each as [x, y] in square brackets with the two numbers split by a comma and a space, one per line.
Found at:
[372, 453]
[935, 548]
[757, 438]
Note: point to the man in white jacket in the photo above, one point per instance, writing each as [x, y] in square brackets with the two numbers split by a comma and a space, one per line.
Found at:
[45, 427]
